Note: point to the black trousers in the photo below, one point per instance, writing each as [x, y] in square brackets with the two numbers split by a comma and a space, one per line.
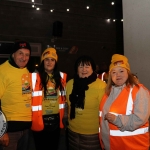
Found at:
[18, 141]
[46, 140]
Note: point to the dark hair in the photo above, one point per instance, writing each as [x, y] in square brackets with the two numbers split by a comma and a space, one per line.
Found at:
[45, 77]
[131, 81]
[84, 59]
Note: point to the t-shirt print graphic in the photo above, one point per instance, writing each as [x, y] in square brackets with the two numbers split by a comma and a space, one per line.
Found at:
[26, 84]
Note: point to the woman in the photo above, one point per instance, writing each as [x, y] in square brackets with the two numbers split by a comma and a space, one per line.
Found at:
[124, 109]
[53, 83]
[84, 93]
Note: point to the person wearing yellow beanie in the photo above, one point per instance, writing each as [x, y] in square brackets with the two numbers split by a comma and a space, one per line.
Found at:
[53, 84]
[124, 109]
[49, 52]
[119, 60]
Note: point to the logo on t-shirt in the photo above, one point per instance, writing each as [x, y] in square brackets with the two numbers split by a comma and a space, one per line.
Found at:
[25, 84]
[51, 92]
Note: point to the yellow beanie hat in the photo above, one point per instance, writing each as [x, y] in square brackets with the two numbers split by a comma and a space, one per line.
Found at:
[119, 61]
[49, 52]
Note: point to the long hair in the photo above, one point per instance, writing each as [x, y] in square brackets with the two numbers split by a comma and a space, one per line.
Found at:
[131, 81]
[45, 77]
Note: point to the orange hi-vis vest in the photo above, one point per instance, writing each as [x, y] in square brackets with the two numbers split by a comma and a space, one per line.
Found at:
[62, 98]
[37, 119]
[127, 140]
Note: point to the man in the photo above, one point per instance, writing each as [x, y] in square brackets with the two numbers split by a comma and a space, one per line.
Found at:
[15, 95]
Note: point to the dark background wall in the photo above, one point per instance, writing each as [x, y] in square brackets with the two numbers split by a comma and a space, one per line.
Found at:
[87, 29]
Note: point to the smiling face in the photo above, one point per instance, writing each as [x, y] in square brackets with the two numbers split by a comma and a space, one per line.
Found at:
[119, 75]
[49, 64]
[84, 70]
[21, 57]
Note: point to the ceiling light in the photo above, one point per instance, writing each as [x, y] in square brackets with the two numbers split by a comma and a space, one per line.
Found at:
[37, 8]
[87, 7]
[122, 20]
[51, 10]
[114, 20]
[112, 3]
[33, 6]
[32, 0]
[67, 9]
[108, 20]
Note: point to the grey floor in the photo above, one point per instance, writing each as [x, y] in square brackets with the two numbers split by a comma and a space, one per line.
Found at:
[62, 141]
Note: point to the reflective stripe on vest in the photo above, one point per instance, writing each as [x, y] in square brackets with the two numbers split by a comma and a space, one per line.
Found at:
[33, 80]
[128, 133]
[36, 108]
[62, 93]
[36, 93]
[62, 74]
[130, 103]
[61, 106]
[100, 113]
[103, 76]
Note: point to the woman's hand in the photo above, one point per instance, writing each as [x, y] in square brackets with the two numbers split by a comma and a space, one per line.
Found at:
[110, 117]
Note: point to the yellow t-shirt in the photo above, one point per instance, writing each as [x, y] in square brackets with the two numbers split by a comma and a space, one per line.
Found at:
[50, 103]
[86, 120]
[15, 93]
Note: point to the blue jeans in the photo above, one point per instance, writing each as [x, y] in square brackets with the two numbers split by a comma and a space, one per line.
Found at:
[17, 141]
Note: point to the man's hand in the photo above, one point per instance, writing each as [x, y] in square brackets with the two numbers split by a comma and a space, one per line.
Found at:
[4, 140]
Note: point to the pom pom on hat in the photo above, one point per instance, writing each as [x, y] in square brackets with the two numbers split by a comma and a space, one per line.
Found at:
[119, 61]
[49, 52]
[21, 44]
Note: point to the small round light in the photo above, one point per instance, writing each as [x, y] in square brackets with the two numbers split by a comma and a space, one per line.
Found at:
[87, 7]
[108, 20]
[112, 3]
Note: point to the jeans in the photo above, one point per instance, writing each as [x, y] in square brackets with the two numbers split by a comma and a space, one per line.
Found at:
[17, 141]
